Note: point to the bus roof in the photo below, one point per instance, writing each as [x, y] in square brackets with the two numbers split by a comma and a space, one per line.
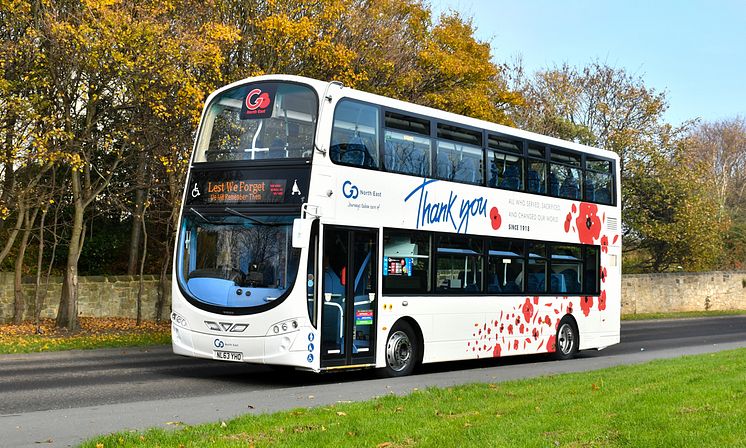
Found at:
[322, 88]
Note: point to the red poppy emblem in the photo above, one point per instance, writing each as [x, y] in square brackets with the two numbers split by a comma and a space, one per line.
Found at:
[588, 223]
[586, 303]
[495, 218]
[552, 344]
[528, 310]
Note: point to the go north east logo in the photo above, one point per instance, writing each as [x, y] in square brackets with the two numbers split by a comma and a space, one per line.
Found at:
[359, 198]
[256, 99]
[350, 191]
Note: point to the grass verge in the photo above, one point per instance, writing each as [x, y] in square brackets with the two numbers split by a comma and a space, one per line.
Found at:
[93, 333]
[687, 402]
[682, 315]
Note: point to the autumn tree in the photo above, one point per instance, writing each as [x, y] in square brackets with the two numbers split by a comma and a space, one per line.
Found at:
[671, 218]
[667, 202]
[113, 65]
[720, 147]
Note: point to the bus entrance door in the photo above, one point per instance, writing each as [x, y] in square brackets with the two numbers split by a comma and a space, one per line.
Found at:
[348, 314]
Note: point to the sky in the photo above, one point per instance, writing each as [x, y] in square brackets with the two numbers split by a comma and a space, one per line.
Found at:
[694, 51]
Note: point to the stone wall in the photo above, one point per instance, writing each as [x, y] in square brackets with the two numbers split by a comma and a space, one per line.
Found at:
[98, 296]
[656, 293]
[115, 296]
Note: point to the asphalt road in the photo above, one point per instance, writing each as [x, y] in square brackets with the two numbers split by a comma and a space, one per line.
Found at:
[59, 399]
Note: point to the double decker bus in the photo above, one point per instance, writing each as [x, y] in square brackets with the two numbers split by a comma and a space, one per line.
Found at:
[326, 228]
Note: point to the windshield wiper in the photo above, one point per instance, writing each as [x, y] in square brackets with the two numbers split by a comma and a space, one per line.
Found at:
[241, 215]
[201, 216]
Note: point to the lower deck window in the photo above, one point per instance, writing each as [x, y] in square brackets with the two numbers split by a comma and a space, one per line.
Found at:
[406, 262]
[459, 265]
[474, 265]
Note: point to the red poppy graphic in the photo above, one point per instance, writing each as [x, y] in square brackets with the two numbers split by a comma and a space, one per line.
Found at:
[604, 244]
[515, 344]
[496, 351]
[552, 344]
[535, 334]
[495, 218]
[603, 274]
[586, 302]
[569, 308]
[602, 301]
[528, 310]
[568, 220]
[588, 223]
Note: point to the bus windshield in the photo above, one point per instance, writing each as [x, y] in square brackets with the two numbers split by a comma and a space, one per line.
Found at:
[237, 262]
[264, 120]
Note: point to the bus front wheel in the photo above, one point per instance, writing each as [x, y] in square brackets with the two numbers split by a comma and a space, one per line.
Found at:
[402, 350]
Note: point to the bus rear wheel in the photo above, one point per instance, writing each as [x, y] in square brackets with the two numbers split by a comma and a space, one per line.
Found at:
[402, 351]
[566, 340]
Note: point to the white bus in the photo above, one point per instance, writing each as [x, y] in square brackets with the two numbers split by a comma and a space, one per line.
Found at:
[327, 228]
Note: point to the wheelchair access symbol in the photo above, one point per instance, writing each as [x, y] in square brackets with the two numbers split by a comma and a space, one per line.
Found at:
[195, 191]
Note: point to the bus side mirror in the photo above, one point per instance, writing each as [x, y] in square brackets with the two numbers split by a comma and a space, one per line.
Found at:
[301, 232]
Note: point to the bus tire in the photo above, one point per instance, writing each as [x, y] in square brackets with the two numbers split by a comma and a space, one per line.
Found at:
[567, 339]
[402, 351]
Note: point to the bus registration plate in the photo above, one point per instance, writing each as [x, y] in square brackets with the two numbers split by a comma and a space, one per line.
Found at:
[228, 356]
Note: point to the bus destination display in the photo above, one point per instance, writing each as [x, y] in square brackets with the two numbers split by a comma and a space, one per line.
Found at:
[248, 186]
[247, 191]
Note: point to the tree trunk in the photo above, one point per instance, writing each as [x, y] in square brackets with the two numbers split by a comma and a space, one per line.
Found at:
[67, 314]
[38, 297]
[19, 302]
[163, 279]
[135, 231]
[11, 238]
[141, 288]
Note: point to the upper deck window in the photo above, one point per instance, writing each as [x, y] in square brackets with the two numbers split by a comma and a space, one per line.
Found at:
[599, 181]
[265, 120]
[355, 135]
[504, 163]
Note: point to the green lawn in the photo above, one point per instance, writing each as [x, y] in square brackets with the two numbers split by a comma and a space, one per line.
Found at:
[688, 402]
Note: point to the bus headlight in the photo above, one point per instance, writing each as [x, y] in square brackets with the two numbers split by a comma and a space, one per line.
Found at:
[286, 326]
[179, 320]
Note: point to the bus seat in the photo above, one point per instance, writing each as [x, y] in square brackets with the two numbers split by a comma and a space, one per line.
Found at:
[553, 185]
[468, 171]
[602, 195]
[444, 169]
[590, 193]
[569, 188]
[511, 179]
[535, 184]
[421, 163]
[571, 280]
[536, 282]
